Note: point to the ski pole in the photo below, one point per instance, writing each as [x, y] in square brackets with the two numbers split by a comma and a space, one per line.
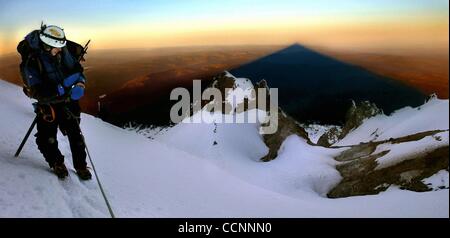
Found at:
[26, 137]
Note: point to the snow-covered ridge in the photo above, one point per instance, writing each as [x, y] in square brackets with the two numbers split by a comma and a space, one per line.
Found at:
[393, 153]
[407, 150]
[183, 173]
[433, 115]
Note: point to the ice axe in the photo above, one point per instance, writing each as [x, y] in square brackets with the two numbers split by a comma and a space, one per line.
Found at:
[84, 52]
[33, 124]
[26, 137]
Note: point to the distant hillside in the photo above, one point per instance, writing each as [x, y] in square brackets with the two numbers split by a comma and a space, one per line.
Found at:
[133, 79]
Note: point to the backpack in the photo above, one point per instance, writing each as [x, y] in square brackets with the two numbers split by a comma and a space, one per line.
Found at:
[29, 55]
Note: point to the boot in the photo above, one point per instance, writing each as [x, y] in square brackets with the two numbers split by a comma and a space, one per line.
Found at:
[84, 174]
[60, 170]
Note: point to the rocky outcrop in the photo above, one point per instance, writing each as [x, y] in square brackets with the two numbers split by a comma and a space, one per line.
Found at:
[286, 126]
[357, 113]
[360, 176]
[330, 137]
[355, 116]
[221, 82]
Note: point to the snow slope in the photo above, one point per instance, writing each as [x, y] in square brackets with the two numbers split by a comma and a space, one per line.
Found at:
[182, 173]
[402, 151]
[438, 181]
[433, 115]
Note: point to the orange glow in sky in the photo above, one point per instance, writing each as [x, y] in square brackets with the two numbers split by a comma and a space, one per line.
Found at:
[352, 25]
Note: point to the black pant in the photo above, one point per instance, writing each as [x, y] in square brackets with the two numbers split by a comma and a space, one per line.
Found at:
[46, 138]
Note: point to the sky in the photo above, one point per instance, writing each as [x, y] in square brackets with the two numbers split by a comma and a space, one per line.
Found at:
[347, 24]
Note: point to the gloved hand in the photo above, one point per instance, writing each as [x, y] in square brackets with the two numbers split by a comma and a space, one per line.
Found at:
[73, 79]
[77, 91]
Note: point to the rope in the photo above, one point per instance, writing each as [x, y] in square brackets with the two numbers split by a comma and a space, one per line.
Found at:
[92, 163]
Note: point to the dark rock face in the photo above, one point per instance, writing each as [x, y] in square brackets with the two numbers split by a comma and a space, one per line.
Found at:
[360, 176]
[355, 116]
[221, 82]
[330, 137]
[286, 126]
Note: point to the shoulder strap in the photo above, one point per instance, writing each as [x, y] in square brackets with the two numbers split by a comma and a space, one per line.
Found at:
[27, 53]
[37, 59]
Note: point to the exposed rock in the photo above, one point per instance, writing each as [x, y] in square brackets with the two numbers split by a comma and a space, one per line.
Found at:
[357, 113]
[263, 84]
[221, 82]
[330, 137]
[356, 152]
[361, 178]
[417, 136]
[286, 126]
[355, 116]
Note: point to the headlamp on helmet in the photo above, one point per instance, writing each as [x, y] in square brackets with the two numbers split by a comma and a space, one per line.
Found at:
[52, 36]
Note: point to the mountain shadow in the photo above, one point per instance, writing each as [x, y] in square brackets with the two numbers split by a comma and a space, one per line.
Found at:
[313, 87]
